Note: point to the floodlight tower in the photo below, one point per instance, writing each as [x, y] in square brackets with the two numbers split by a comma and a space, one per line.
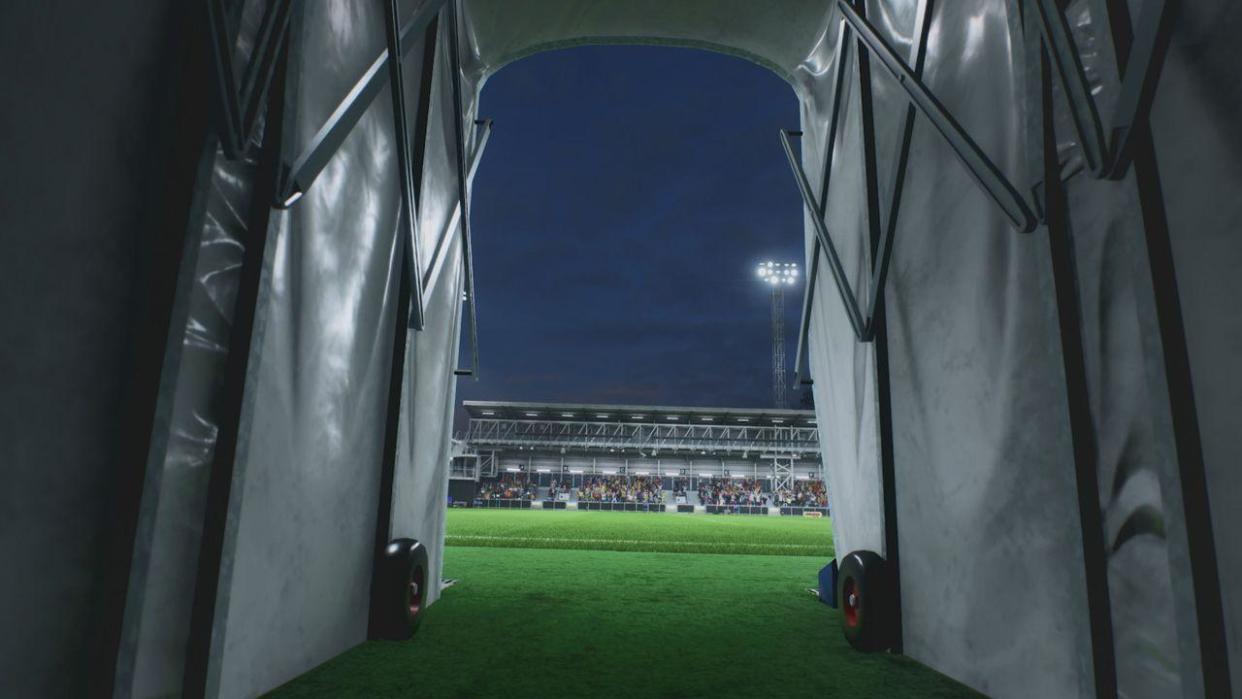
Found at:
[778, 275]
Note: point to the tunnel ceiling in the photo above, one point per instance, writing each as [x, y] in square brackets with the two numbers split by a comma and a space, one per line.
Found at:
[502, 31]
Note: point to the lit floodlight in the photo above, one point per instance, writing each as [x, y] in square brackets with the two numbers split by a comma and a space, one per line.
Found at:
[777, 273]
[706, 475]
[642, 473]
[610, 471]
[575, 470]
[544, 470]
[512, 469]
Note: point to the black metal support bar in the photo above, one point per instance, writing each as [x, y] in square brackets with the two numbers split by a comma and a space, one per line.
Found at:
[484, 131]
[830, 144]
[862, 318]
[268, 43]
[825, 241]
[876, 329]
[459, 116]
[297, 178]
[1060, 44]
[238, 109]
[918, 56]
[220, 482]
[228, 112]
[1082, 428]
[1138, 85]
[392, 425]
[409, 201]
[871, 184]
[1205, 581]
[1108, 158]
[984, 171]
[408, 275]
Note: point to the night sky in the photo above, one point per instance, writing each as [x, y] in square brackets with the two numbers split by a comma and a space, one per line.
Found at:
[626, 196]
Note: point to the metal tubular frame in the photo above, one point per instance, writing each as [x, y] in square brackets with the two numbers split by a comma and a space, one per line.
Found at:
[864, 324]
[1104, 160]
[1083, 438]
[409, 202]
[786, 441]
[299, 176]
[238, 111]
[985, 172]
[1108, 157]
[220, 484]
[484, 132]
[296, 178]
[463, 195]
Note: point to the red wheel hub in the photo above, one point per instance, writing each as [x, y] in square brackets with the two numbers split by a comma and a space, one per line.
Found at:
[851, 601]
[418, 582]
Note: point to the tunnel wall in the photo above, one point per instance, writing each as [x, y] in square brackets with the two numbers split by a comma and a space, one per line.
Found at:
[981, 387]
[1198, 148]
[987, 512]
[294, 577]
[90, 129]
[991, 560]
[843, 369]
[420, 482]
[155, 631]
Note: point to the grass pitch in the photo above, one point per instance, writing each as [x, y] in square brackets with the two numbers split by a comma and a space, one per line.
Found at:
[640, 531]
[571, 622]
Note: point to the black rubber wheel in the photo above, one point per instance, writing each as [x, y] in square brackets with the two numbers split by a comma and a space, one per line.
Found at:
[866, 600]
[404, 584]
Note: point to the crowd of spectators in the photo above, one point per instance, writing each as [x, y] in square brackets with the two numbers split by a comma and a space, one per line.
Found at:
[557, 488]
[804, 494]
[644, 489]
[680, 485]
[731, 491]
[509, 487]
[621, 489]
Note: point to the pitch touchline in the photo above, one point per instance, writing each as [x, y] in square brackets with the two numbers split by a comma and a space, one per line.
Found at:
[548, 539]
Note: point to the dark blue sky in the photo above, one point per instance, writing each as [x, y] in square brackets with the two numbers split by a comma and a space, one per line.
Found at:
[626, 196]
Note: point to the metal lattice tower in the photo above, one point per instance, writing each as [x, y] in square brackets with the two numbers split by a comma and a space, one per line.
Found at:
[778, 275]
[778, 346]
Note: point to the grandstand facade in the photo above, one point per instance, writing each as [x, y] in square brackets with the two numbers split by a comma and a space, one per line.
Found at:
[612, 456]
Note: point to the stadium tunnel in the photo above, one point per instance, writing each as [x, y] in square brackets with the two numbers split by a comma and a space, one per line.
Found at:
[230, 357]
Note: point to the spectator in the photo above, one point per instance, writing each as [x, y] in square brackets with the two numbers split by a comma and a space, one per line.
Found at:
[732, 491]
[808, 493]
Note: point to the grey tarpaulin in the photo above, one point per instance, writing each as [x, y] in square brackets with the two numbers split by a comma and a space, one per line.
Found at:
[420, 485]
[296, 569]
[1199, 149]
[993, 581]
[89, 114]
[171, 519]
[166, 546]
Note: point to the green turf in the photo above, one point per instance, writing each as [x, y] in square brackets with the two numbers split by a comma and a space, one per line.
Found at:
[586, 604]
[574, 623]
[640, 531]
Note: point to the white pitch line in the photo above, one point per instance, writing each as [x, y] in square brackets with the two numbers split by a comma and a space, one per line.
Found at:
[548, 539]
